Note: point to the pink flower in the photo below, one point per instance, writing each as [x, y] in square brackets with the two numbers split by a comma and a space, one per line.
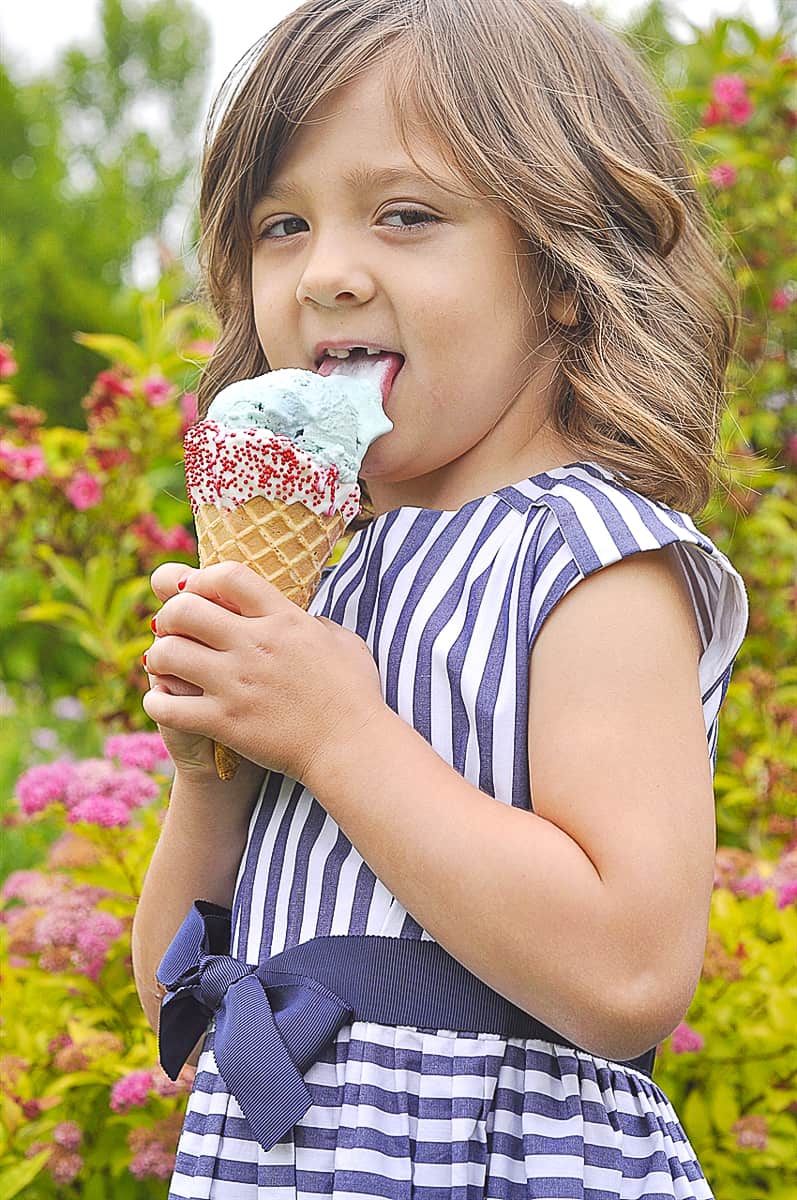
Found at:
[780, 299]
[69, 708]
[752, 1132]
[723, 175]
[787, 894]
[155, 538]
[93, 942]
[106, 811]
[157, 390]
[749, 885]
[686, 1040]
[68, 1134]
[144, 750]
[741, 112]
[99, 778]
[31, 887]
[152, 1161]
[44, 785]
[131, 1091]
[64, 1166]
[728, 89]
[22, 463]
[83, 491]
[8, 364]
[730, 101]
[189, 408]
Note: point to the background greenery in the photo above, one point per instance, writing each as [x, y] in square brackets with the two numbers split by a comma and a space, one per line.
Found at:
[96, 390]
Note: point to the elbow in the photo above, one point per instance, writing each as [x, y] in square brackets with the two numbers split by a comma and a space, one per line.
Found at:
[647, 1013]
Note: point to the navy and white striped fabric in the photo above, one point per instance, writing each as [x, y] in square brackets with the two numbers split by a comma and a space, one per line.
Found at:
[450, 605]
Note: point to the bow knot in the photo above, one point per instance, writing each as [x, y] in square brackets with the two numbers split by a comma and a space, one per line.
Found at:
[214, 977]
[270, 1025]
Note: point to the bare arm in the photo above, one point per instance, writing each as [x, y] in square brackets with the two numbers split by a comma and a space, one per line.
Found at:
[590, 912]
[196, 858]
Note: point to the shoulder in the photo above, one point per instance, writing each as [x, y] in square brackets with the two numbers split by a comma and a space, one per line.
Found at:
[585, 520]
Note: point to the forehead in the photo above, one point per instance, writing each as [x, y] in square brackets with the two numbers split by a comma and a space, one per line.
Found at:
[354, 129]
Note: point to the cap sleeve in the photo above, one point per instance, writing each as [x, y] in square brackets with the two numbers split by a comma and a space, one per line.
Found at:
[590, 523]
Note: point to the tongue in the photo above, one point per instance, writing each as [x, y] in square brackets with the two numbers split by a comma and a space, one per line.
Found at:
[379, 369]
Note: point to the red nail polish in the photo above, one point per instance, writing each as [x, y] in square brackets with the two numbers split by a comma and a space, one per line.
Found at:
[144, 659]
[181, 583]
[152, 626]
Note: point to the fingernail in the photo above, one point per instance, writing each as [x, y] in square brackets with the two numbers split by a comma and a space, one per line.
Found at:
[144, 659]
[181, 583]
[152, 626]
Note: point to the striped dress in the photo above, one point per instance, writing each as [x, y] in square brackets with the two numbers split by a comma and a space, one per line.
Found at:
[450, 604]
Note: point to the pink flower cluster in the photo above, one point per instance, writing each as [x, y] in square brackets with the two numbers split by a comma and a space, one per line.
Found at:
[153, 537]
[738, 871]
[723, 175]
[91, 790]
[131, 1091]
[145, 750]
[102, 402]
[59, 921]
[157, 390]
[135, 1089]
[729, 101]
[83, 491]
[686, 1040]
[8, 364]
[21, 463]
[154, 1148]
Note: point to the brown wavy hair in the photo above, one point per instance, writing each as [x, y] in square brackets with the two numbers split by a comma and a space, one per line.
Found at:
[553, 117]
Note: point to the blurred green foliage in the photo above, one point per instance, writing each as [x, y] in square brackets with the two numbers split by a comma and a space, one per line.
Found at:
[92, 159]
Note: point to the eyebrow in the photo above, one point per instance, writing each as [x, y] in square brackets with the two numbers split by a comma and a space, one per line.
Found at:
[359, 178]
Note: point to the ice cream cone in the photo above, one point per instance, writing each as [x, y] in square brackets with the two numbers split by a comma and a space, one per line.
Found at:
[287, 544]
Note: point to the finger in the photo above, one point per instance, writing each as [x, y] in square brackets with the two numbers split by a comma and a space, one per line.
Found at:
[186, 660]
[235, 585]
[186, 714]
[172, 685]
[193, 617]
[164, 579]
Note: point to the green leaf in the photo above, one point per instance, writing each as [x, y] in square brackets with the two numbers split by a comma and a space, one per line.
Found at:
[55, 612]
[66, 570]
[99, 576]
[724, 1106]
[14, 1179]
[116, 349]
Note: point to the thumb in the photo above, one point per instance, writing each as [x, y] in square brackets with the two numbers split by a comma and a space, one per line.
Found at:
[239, 588]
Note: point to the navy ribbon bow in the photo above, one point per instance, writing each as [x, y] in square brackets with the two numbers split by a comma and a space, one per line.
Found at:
[271, 1024]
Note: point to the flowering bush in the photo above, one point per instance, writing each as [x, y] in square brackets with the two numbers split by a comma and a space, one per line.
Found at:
[86, 1108]
[85, 516]
[730, 1068]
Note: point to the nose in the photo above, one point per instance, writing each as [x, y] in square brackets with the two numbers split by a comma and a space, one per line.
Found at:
[331, 277]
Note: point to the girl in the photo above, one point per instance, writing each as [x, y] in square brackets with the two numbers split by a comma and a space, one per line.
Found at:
[427, 941]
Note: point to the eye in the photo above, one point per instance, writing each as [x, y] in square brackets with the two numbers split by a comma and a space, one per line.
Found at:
[423, 219]
[266, 230]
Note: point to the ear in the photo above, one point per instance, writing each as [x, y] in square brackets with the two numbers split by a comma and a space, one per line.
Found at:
[563, 308]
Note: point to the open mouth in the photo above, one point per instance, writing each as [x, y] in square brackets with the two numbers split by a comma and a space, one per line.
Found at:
[382, 367]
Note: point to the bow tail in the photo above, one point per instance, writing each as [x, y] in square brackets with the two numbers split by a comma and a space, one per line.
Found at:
[255, 1064]
[181, 1023]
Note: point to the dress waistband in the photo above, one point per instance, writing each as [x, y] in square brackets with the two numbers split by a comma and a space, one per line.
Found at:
[274, 1019]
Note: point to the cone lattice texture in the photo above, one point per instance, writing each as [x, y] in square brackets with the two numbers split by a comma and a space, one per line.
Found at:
[287, 544]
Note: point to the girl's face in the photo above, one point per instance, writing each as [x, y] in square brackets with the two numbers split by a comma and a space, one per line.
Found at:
[439, 283]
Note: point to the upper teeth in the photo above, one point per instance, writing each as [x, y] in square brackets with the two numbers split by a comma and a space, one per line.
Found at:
[346, 353]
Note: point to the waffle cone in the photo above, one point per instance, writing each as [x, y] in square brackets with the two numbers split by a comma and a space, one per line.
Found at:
[287, 544]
